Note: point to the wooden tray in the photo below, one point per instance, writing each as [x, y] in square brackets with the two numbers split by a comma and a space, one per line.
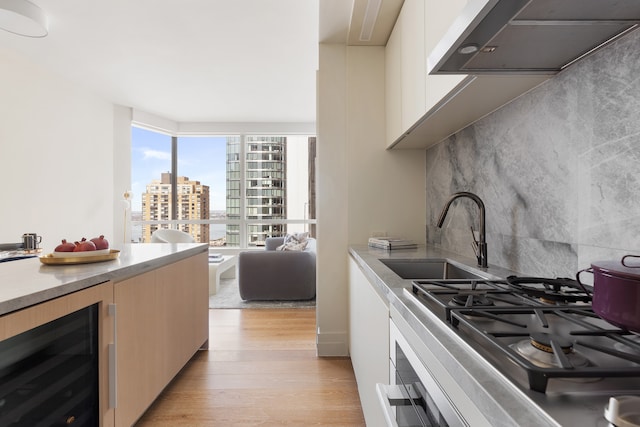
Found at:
[49, 259]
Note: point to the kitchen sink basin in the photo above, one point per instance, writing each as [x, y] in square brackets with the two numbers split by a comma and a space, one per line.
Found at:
[430, 268]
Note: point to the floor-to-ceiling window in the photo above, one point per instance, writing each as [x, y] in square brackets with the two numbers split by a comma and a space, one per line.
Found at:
[232, 190]
[202, 160]
[150, 159]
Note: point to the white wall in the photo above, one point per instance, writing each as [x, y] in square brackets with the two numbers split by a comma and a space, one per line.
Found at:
[362, 187]
[56, 166]
[331, 202]
[122, 117]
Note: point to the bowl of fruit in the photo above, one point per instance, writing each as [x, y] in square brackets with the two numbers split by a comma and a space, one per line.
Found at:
[82, 248]
[80, 252]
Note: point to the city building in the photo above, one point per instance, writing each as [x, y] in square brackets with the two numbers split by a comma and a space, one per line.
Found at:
[279, 184]
[192, 204]
[266, 189]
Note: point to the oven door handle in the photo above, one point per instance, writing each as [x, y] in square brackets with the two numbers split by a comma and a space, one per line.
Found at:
[384, 391]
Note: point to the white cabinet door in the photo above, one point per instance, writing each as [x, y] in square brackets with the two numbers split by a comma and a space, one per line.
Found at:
[393, 85]
[413, 60]
[405, 68]
[438, 16]
[368, 342]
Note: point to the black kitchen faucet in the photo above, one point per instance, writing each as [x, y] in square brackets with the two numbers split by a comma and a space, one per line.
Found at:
[479, 245]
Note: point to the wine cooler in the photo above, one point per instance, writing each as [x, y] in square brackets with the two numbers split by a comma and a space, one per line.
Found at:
[49, 375]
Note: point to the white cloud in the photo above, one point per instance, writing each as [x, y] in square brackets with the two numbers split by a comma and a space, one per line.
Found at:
[156, 154]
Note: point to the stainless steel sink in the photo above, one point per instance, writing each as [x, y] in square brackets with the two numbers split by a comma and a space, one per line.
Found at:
[430, 268]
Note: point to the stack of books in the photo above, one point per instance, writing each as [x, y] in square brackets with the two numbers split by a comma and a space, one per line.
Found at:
[391, 243]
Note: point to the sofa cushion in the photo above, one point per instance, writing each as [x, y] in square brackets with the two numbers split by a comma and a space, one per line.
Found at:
[294, 242]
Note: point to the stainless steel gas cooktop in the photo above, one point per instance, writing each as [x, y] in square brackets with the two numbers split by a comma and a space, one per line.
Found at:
[543, 336]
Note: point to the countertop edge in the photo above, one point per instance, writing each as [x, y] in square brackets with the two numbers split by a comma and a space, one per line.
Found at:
[26, 283]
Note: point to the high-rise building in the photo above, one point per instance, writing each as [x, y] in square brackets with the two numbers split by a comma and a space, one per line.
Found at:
[192, 204]
[271, 163]
[265, 186]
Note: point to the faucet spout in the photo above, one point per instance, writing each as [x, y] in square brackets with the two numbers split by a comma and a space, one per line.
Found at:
[479, 245]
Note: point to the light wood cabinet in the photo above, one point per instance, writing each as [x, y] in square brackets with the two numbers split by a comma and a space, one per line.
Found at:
[161, 322]
[148, 327]
[368, 342]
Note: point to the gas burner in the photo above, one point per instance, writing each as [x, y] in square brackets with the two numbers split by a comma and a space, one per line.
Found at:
[545, 342]
[561, 290]
[542, 350]
[471, 300]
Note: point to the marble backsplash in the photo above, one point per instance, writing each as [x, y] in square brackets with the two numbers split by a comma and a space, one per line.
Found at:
[558, 170]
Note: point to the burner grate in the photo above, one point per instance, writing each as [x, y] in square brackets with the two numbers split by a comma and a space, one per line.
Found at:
[478, 294]
[576, 325]
[499, 314]
[561, 290]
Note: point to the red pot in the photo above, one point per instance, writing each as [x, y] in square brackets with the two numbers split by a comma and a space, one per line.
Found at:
[616, 292]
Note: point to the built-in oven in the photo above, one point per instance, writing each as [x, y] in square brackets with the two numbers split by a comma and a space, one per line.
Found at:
[421, 392]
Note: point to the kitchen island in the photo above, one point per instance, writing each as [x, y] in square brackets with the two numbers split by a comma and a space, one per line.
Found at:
[151, 306]
[484, 394]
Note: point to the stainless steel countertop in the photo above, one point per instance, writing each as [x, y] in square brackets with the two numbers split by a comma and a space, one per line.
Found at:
[502, 403]
[28, 282]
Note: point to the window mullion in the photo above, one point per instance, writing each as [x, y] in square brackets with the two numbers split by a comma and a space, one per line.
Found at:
[174, 178]
[243, 194]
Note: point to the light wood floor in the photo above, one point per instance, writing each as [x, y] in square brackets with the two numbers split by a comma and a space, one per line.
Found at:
[260, 370]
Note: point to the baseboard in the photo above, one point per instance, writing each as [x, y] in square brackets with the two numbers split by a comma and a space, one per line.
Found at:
[332, 344]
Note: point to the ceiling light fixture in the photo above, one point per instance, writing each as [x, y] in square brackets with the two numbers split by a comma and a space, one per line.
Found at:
[369, 20]
[23, 18]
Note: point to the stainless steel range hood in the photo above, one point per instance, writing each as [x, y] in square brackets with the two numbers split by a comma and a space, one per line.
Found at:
[529, 36]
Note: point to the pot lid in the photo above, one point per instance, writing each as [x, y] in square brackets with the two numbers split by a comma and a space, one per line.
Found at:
[628, 266]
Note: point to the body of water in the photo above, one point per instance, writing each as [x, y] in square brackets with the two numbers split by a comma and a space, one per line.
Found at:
[216, 231]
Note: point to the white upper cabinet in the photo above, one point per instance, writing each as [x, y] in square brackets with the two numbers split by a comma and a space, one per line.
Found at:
[438, 16]
[405, 58]
[412, 58]
[393, 85]
[424, 109]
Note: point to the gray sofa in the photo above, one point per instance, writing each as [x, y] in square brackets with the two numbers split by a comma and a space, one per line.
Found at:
[277, 275]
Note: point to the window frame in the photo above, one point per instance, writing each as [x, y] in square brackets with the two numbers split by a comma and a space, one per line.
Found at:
[244, 222]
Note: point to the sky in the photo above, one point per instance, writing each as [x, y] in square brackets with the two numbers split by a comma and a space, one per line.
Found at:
[199, 158]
